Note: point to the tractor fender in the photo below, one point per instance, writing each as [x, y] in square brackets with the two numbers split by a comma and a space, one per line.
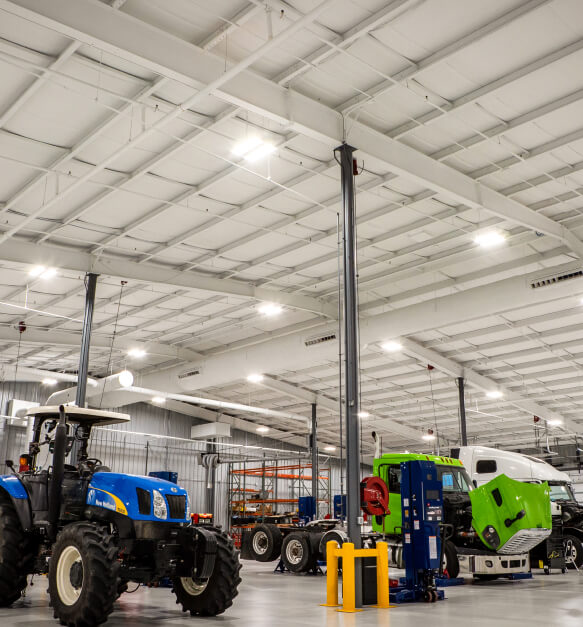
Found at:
[12, 486]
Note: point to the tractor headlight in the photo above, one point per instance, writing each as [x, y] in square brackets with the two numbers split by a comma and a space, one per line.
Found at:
[160, 509]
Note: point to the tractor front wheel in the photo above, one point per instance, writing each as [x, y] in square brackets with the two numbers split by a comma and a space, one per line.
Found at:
[14, 554]
[214, 595]
[83, 575]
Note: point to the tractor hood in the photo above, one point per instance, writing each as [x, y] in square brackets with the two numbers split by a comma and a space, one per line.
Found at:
[138, 497]
[509, 516]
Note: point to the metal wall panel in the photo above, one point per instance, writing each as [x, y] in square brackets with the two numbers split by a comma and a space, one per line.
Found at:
[158, 439]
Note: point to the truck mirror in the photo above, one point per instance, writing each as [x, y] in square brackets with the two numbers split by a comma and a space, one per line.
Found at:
[10, 464]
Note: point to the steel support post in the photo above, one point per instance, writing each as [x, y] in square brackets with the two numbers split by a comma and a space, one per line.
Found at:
[461, 391]
[315, 470]
[86, 338]
[351, 392]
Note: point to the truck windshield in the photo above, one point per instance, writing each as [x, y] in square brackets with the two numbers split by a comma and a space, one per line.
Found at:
[454, 479]
[561, 491]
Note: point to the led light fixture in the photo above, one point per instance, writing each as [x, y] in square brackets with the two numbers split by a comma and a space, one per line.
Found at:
[392, 346]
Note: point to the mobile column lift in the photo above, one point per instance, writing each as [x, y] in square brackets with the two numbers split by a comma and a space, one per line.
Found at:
[422, 510]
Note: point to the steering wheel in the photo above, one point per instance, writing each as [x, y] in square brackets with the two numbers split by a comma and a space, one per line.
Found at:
[91, 463]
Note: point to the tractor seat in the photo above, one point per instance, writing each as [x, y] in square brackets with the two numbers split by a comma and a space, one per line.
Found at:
[103, 469]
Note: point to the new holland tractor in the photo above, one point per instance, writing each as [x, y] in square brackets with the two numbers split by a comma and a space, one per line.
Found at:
[93, 531]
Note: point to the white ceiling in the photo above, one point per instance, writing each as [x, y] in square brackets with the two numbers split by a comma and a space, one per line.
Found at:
[116, 130]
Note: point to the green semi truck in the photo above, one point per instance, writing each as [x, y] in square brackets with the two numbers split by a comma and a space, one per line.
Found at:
[489, 529]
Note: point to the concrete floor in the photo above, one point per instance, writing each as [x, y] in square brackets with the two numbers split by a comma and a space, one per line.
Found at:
[267, 599]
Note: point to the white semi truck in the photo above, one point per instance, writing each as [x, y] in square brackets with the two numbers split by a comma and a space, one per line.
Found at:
[484, 463]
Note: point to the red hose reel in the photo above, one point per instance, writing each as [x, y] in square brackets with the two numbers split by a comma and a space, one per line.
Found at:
[374, 496]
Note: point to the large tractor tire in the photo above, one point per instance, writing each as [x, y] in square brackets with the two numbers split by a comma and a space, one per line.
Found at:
[296, 552]
[451, 563]
[216, 594]
[83, 575]
[14, 554]
[573, 551]
[265, 543]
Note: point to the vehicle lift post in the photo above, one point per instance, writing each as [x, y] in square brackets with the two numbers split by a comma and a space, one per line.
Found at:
[422, 509]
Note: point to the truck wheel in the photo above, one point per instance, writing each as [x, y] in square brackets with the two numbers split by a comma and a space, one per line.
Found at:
[451, 562]
[83, 575]
[13, 554]
[573, 551]
[295, 552]
[265, 543]
[216, 594]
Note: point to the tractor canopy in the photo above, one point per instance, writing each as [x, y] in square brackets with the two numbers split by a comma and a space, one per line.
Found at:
[511, 516]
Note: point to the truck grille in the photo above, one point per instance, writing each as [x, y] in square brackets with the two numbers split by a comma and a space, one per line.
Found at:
[177, 505]
[144, 501]
[524, 540]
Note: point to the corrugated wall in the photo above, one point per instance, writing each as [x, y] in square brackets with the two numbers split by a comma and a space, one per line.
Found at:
[158, 439]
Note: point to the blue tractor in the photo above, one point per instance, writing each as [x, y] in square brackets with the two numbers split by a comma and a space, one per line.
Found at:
[93, 531]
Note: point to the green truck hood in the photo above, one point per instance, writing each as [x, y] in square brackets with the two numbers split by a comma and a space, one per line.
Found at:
[510, 516]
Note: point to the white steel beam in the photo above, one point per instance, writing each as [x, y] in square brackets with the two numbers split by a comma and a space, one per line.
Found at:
[291, 353]
[441, 55]
[125, 36]
[326, 402]
[51, 337]
[225, 76]
[21, 251]
[485, 384]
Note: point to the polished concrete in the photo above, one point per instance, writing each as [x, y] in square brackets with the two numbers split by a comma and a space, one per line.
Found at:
[275, 600]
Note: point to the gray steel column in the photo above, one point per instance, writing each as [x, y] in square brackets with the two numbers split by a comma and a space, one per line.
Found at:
[461, 390]
[315, 470]
[351, 395]
[86, 338]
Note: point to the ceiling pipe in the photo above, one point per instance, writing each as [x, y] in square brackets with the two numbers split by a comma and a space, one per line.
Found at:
[148, 394]
[10, 373]
[118, 381]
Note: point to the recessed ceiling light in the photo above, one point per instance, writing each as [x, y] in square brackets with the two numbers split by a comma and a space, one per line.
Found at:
[428, 436]
[555, 422]
[36, 271]
[270, 309]
[363, 414]
[253, 148]
[261, 151]
[42, 273]
[126, 378]
[49, 381]
[255, 378]
[494, 394]
[392, 346]
[159, 400]
[262, 429]
[329, 448]
[246, 145]
[138, 353]
[489, 239]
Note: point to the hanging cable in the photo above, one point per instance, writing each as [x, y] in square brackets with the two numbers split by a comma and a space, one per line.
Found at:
[107, 368]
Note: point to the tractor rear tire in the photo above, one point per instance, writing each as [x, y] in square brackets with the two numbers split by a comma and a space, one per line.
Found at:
[265, 543]
[84, 575]
[14, 554]
[215, 595]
